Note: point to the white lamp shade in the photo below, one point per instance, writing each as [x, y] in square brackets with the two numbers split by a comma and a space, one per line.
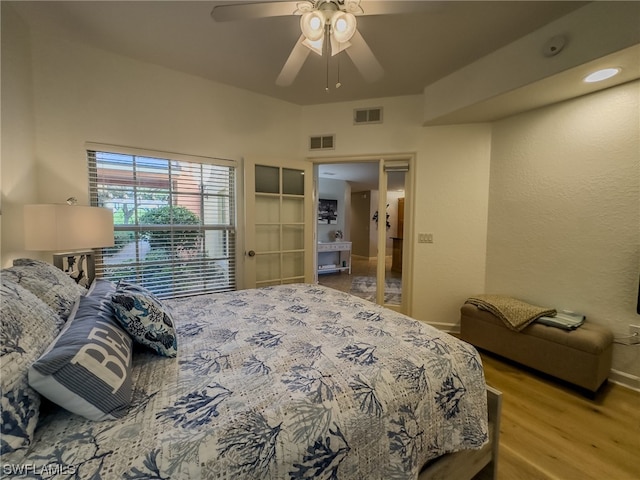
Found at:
[343, 26]
[315, 46]
[62, 228]
[337, 47]
[312, 25]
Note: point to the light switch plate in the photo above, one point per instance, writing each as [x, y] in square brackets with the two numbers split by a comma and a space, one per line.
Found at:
[425, 238]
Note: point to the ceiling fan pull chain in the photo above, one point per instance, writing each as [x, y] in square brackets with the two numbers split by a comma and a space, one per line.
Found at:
[338, 84]
[327, 83]
[327, 54]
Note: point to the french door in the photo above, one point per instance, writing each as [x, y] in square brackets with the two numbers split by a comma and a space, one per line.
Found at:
[391, 283]
[380, 224]
[278, 217]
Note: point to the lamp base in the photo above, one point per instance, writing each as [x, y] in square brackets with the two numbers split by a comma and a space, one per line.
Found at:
[78, 265]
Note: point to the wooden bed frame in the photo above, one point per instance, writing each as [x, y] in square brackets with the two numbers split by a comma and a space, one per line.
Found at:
[472, 464]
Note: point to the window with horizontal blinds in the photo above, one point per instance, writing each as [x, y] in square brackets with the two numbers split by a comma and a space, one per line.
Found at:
[174, 222]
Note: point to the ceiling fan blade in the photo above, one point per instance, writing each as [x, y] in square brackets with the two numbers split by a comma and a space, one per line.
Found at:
[246, 11]
[364, 59]
[293, 64]
[390, 7]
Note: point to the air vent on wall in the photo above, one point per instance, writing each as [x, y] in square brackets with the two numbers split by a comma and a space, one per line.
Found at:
[367, 115]
[322, 142]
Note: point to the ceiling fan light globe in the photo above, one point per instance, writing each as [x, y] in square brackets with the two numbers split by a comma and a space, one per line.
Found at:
[312, 25]
[315, 46]
[315, 23]
[343, 26]
[337, 47]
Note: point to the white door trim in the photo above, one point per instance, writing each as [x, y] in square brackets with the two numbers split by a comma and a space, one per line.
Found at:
[409, 206]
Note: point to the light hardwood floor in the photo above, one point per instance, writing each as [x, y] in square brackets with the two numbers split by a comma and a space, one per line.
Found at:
[359, 267]
[551, 431]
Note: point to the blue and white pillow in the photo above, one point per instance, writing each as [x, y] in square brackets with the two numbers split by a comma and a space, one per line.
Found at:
[27, 327]
[87, 369]
[147, 320]
[47, 282]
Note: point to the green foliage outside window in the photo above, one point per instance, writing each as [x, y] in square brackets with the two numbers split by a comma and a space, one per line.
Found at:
[170, 215]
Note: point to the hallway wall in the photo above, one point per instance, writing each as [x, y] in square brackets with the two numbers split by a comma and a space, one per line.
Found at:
[360, 225]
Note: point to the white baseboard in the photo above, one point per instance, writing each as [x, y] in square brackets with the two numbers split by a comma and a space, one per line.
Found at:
[364, 257]
[625, 379]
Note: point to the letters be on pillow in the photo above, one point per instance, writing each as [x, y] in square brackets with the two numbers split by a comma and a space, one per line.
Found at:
[97, 358]
[88, 368]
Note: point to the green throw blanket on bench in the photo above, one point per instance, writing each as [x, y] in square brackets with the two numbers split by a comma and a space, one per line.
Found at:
[516, 314]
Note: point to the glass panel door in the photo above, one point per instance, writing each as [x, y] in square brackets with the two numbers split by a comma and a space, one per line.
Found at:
[278, 226]
[394, 247]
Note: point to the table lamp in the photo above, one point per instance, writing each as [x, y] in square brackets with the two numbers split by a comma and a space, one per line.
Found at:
[70, 230]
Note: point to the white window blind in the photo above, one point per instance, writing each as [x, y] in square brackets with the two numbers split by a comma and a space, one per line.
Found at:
[174, 222]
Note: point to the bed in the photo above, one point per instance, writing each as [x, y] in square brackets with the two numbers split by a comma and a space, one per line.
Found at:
[286, 382]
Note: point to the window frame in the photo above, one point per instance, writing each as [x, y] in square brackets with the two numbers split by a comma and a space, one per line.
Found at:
[227, 240]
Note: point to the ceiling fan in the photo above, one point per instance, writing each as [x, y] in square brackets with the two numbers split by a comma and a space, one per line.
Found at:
[328, 28]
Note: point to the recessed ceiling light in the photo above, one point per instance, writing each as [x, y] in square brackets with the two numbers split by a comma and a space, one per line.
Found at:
[601, 75]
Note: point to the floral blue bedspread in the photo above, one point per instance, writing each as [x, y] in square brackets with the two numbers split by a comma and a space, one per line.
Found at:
[288, 382]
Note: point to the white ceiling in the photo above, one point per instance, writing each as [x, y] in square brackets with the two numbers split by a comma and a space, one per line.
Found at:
[415, 50]
[362, 176]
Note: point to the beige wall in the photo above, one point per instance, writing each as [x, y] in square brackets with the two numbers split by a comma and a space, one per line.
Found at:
[450, 193]
[85, 94]
[398, 133]
[18, 166]
[451, 203]
[564, 210]
[360, 225]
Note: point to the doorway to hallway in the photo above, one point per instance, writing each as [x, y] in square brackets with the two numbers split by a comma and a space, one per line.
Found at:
[366, 188]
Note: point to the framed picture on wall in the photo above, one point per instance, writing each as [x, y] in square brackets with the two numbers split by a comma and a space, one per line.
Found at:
[327, 212]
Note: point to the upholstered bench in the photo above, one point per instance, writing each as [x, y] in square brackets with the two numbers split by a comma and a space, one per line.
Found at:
[581, 356]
